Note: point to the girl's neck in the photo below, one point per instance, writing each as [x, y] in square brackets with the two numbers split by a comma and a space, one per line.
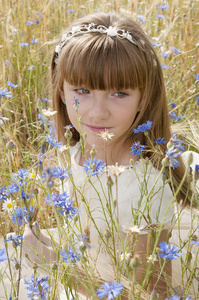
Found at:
[122, 155]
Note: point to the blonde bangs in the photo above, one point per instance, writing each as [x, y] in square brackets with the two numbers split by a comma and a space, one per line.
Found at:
[98, 62]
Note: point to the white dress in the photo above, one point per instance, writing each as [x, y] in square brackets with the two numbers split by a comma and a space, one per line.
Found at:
[128, 199]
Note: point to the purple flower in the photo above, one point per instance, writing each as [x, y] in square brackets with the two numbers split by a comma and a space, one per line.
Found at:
[93, 166]
[5, 93]
[3, 254]
[137, 149]
[16, 239]
[169, 252]
[144, 127]
[13, 188]
[20, 177]
[57, 199]
[38, 287]
[47, 177]
[12, 84]
[160, 141]
[70, 255]
[171, 154]
[142, 19]
[24, 44]
[110, 289]
[71, 10]
[197, 100]
[34, 41]
[45, 100]
[197, 77]
[159, 16]
[36, 22]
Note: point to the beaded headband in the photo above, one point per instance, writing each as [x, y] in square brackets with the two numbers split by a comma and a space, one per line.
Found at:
[77, 30]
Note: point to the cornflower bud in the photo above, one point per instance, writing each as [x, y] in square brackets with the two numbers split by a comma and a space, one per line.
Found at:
[35, 266]
[93, 151]
[109, 181]
[10, 145]
[68, 134]
[135, 262]
[54, 266]
[107, 234]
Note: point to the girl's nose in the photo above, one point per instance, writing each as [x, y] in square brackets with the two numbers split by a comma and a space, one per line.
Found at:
[99, 108]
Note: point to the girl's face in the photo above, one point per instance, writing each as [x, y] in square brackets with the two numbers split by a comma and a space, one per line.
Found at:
[99, 110]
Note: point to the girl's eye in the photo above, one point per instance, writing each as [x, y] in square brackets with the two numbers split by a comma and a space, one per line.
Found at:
[82, 91]
[120, 94]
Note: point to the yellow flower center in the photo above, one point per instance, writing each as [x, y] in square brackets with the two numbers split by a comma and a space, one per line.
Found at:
[9, 205]
[32, 175]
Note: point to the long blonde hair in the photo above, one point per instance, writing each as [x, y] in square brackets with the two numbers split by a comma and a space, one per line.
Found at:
[98, 61]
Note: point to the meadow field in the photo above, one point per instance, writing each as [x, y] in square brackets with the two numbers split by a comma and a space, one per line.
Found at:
[28, 149]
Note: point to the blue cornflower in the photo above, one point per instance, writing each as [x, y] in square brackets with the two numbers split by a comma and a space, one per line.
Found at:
[5, 93]
[163, 6]
[47, 176]
[93, 166]
[70, 255]
[160, 141]
[177, 143]
[70, 10]
[53, 142]
[156, 44]
[159, 16]
[19, 215]
[24, 44]
[196, 172]
[16, 239]
[43, 120]
[45, 100]
[3, 193]
[169, 252]
[61, 173]
[3, 254]
[175, 117]
[144, 127]
[110, 289]
[176, 297]
[13, 188]
[83, 242]
[197, 77]
[29, 22]
[197, 98]
[31, 67]
[20, 177]
[164, 54]
[195, 242]
[175, 50]
[38, 287]
[2, 119]
[164, 67]
[12, 84]
[171, 154]
[68, 209]
[137, 149]
[76, 103]
[37, 22]
[142, 19]
[34, 40]
[172, 104]
[57, 199]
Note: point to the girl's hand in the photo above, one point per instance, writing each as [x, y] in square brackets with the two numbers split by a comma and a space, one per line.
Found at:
[38, 246]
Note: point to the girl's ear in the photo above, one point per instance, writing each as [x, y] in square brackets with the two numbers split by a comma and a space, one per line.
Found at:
[62, 96]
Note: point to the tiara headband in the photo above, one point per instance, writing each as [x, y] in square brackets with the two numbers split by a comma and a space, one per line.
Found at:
[77, 30]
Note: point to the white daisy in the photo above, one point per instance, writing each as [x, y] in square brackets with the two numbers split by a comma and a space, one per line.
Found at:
[8, 205]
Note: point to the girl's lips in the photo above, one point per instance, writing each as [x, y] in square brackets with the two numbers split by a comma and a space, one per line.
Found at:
[97, 128]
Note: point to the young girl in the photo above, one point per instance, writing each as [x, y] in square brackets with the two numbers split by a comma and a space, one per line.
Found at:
[106, 81]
